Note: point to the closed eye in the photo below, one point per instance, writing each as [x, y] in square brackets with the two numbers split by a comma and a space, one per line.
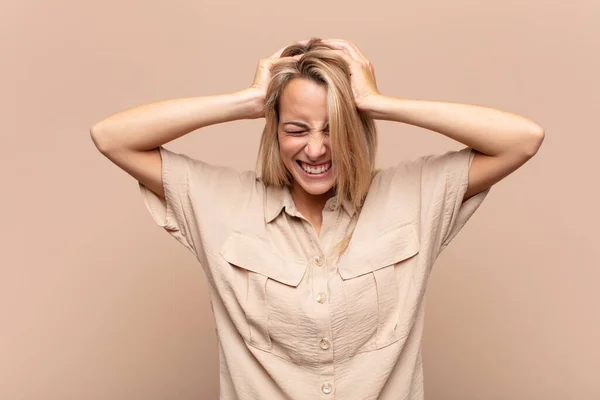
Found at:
[326, 132]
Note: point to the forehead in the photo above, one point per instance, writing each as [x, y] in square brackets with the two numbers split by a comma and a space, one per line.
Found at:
[305, 100]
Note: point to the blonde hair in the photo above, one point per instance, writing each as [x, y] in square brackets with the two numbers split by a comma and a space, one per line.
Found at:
[353, 135]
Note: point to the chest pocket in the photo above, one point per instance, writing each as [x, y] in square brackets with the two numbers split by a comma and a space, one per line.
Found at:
[379, 289]
[265, 286]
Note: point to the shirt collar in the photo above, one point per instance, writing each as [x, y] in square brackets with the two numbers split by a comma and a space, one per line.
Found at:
[278, 199]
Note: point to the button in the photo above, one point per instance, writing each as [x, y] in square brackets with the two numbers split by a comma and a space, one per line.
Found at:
[318, 261]
[326, 388]
[321, 297]
[324, 343]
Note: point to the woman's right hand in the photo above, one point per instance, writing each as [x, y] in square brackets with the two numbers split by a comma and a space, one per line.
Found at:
[262, 77]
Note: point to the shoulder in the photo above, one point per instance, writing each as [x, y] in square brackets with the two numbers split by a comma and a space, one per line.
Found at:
[403, 175]
[394, 194]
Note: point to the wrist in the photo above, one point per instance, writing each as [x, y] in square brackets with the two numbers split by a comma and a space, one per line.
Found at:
[371, 105]
[378, 106]
[254, 101]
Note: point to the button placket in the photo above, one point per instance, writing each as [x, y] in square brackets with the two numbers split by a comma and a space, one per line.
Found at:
[322, 345]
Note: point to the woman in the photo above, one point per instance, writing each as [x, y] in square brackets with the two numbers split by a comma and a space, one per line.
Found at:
[318, 266]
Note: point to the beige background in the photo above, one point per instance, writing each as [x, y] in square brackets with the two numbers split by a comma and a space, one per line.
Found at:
[96, 302]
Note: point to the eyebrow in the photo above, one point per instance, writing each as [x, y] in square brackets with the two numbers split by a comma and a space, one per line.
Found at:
[303, 125]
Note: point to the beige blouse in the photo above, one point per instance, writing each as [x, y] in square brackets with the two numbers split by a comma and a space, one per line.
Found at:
[293, 322]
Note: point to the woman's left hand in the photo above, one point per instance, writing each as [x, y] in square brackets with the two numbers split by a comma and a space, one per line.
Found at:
[364, 86]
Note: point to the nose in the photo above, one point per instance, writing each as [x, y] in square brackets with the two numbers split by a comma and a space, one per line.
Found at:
[315, 147]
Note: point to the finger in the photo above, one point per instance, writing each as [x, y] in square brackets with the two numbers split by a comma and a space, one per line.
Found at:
[349, 59]
[345, 50]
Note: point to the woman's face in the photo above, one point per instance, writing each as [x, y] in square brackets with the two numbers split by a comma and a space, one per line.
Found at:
[304, 136]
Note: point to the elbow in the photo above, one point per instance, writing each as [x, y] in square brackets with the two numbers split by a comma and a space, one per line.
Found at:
[534, 141]
[100, 139]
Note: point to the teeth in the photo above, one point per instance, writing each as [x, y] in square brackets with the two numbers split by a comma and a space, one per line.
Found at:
[313, 170]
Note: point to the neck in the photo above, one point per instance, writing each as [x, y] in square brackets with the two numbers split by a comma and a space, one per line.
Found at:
[310, 205]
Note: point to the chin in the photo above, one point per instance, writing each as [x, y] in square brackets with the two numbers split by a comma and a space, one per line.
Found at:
[316, 189]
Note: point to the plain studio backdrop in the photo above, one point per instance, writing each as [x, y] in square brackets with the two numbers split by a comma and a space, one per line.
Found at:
[97, 302]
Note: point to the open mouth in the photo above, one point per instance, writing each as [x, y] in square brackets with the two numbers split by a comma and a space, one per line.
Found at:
[314, 170]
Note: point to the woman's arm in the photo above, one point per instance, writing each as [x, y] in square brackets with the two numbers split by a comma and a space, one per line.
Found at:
[487, 130]
[146, 127]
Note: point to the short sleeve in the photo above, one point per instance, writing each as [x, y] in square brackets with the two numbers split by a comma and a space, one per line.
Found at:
[444, 182]
[200, 197]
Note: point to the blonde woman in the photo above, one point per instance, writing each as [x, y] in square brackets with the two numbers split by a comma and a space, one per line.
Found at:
[318, 262]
